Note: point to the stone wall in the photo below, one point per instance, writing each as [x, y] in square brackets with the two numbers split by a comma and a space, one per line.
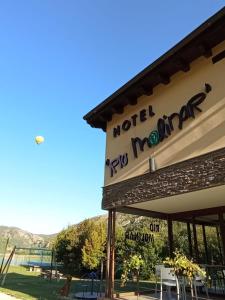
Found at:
[198, 173]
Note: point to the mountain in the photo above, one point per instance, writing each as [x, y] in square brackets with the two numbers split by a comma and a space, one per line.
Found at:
[21, 238]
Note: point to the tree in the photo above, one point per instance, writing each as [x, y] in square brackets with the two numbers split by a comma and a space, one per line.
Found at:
[93, 249]
[81, 246]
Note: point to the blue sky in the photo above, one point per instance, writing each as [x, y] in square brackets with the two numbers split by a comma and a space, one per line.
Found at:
[59, 59]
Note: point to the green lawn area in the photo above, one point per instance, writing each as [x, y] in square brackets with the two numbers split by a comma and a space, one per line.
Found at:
[28, 285]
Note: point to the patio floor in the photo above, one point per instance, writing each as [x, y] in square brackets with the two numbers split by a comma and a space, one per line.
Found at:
[153, 296]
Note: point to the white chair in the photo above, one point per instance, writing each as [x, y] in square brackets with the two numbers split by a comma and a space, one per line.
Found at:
[197, 282]
[157, 277]
[169, 280]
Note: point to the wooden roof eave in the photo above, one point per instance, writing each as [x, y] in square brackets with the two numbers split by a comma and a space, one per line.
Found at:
[198, 43]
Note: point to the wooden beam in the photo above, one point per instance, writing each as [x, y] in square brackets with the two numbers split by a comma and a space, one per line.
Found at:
[118, 109]
[132, 100]
[218, 57]
[182, 64]
[99, 124]
[136, 92]
[198, 222]
[141, 212]
[107, 116]
[205, 50]
[159, 215]
[147, 89]
[197, 213]
[164, 78]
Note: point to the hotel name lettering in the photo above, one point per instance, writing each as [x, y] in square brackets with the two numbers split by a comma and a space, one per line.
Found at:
[164, 128]
[143, 237]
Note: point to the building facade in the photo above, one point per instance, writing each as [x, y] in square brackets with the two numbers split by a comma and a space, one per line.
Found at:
[165, 140]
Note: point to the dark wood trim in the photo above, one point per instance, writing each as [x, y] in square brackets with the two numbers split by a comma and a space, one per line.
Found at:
[189, 239]
[147, 89]
[205, 50]
[182, 64]
[195, 241]
[200, 223]
[170, 236]
[110, 264]
[113, 251]
[158, 215]
[218, 57]
[107, 117]
[219, 244]
[222, 232]
[198, 43]
[164, 78]
[132, 100]
[108, 279]
[141, 212]
[205, 244]
[118, 109]
[197, 213]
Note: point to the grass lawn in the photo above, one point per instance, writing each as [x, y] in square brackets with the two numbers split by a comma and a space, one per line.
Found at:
[27, 285]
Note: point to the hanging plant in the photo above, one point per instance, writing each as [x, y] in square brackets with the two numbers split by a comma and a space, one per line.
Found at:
[184, 267]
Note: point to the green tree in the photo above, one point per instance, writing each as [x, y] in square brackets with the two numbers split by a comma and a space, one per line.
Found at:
[94, 245]
[81, 246]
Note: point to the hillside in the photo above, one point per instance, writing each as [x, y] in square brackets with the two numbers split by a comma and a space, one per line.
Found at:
[21, 238]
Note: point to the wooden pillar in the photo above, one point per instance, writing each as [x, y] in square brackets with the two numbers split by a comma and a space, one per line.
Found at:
[222, 233]
[170, 236]
[189, 239]
[219, 244]
[113, 250]
[110, 254]
[195, 241]
[108, 283]
[205, 244]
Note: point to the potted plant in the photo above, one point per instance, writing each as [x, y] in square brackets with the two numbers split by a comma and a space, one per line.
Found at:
[184, 267]
[131, 266]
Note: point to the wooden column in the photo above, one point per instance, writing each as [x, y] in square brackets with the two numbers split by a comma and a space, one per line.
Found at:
[205, 244]
[110, 254]
[170, 236]
[113, 250]
[219, 244]
[222, 233]
[108, 283]
[195, 241]
[189, 239]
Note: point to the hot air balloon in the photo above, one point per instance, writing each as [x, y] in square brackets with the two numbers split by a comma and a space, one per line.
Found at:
[39, 139]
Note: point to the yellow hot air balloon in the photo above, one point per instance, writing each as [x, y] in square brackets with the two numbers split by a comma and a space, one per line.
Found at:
[39, 139]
